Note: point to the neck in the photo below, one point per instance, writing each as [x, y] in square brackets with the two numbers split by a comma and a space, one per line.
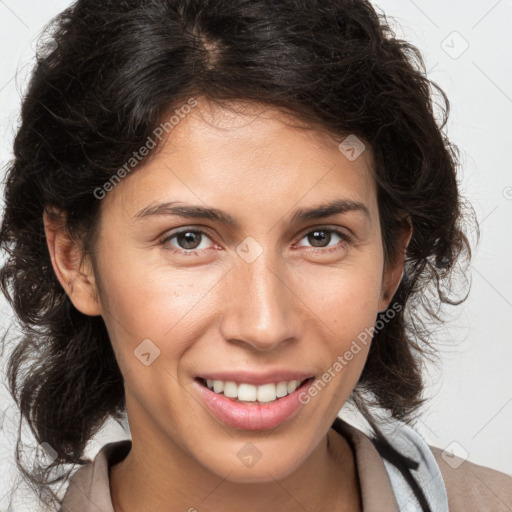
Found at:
[160, 479]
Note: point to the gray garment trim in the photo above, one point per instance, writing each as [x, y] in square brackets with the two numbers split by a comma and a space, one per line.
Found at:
[428, 475]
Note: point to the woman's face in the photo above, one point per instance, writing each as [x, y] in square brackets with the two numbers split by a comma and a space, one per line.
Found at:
[276, 290]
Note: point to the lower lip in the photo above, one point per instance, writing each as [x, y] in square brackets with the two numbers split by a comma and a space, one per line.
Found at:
[252, 416]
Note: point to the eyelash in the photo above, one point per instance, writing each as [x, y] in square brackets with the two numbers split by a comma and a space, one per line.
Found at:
[192, 252]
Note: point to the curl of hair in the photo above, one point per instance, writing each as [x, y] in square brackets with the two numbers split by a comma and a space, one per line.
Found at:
[112, 69]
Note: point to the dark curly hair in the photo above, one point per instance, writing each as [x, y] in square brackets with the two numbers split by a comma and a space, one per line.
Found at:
[111, 69]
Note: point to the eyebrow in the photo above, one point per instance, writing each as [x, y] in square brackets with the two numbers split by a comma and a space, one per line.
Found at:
[335, 207]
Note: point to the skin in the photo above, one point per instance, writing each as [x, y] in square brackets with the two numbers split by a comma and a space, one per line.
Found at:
[297, 305]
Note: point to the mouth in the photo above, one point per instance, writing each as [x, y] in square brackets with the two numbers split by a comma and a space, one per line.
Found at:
[250, 394]
[252, 414]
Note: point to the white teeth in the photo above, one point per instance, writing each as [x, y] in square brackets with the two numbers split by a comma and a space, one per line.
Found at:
[250, 393]
[229, 389]
[282, 389]
[293, 385]
[266, 393]
[218, 386]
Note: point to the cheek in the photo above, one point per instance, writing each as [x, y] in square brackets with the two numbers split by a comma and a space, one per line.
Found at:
[345, 298]
[148, 300]
[347, 302]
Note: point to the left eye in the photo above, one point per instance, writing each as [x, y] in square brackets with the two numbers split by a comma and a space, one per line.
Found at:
[321, 238]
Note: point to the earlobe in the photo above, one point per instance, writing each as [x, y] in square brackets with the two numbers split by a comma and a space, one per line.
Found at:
[75, 276]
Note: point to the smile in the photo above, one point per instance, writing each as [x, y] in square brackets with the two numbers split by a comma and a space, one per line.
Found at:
[252, 414]
[244, 392]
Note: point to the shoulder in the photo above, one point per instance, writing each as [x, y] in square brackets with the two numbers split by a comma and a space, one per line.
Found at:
[471, 487]
[88, 489]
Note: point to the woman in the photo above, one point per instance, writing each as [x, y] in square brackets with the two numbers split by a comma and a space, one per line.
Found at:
[229, 218]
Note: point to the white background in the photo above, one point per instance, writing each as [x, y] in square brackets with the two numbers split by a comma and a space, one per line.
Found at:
[470, 410]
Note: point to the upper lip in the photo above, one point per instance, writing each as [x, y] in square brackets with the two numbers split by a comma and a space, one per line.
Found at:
[256, 379]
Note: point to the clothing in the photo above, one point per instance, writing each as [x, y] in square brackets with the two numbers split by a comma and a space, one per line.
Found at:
[458, 484]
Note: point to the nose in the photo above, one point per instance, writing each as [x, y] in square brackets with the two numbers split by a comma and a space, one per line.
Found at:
[260, 307]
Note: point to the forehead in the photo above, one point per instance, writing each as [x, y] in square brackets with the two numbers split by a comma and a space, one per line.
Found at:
[246, 155]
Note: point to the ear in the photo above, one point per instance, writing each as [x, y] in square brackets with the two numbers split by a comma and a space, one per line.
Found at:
[394, 271]
[76, 278]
